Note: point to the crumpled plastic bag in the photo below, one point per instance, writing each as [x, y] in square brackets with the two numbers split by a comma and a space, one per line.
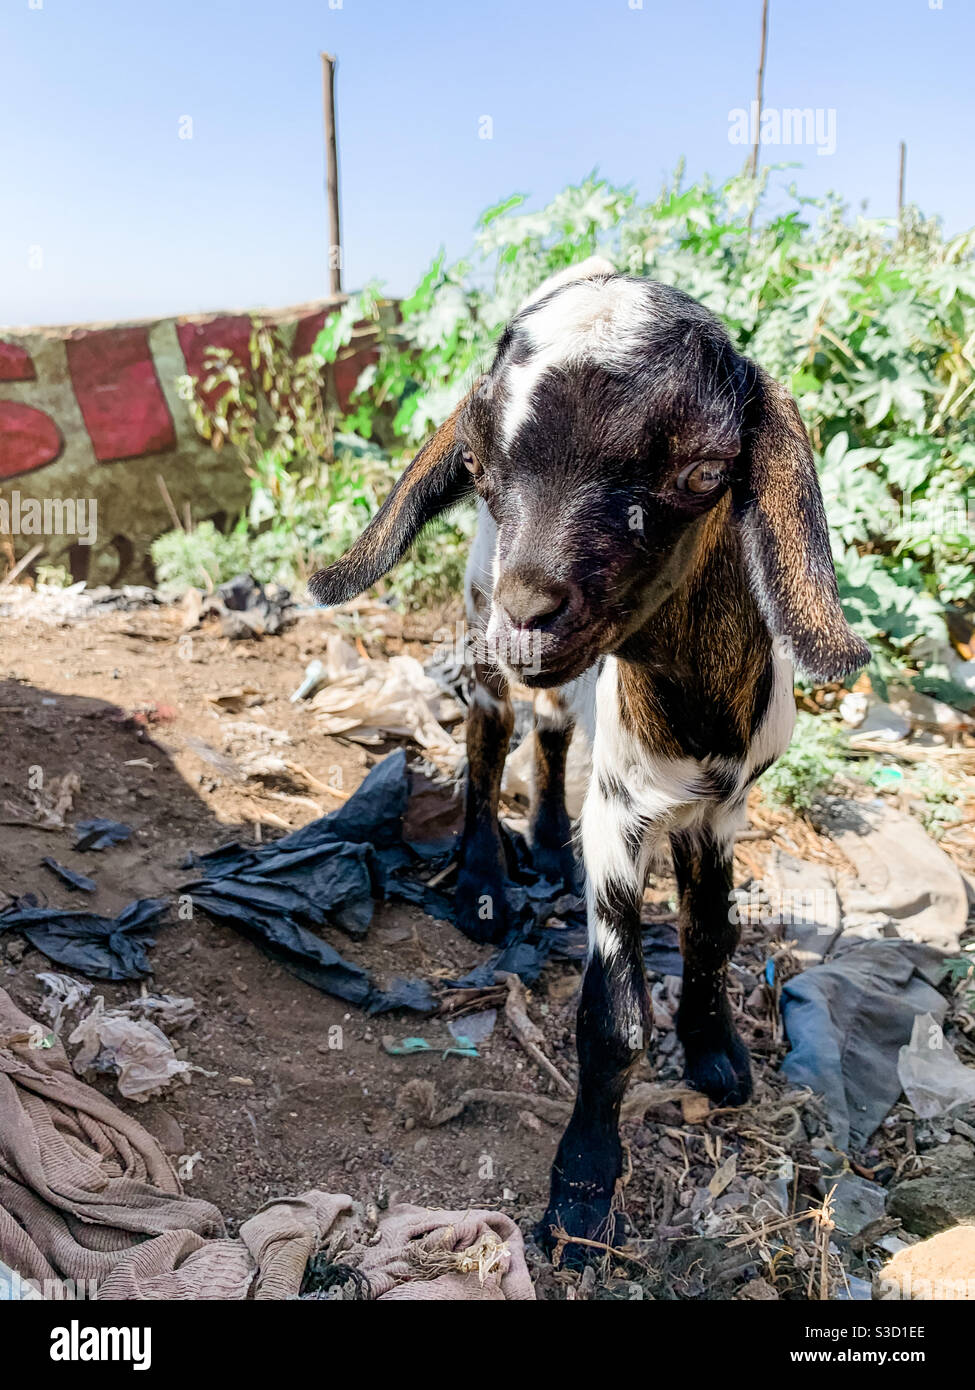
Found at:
[112, 1041]
[933, 1078]
[368, 700]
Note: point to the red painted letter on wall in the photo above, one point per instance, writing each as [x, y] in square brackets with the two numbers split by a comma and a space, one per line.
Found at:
[115, 382]
[15, 362]
[28, 439]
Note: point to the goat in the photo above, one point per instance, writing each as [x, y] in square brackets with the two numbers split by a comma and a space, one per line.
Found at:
[651, 555]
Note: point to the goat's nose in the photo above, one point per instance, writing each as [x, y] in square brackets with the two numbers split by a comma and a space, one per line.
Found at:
[530, 602]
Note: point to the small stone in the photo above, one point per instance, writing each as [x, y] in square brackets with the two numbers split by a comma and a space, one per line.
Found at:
[758, 1289]
[944, 1197]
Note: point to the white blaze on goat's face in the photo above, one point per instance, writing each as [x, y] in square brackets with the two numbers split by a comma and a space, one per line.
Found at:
[573, 318]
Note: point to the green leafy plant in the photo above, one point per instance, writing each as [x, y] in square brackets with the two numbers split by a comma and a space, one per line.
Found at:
[272, 411]
[812, 763]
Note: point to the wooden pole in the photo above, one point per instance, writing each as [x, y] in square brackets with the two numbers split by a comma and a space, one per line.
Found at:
[331, 176]
[760, 89]
[902, 167]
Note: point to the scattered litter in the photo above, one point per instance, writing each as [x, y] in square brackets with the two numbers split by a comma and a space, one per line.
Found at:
[105, 948]
[61, 995]
[223, 764]
[315, 676]
[409, 1046]
[49, 603]
[68, 876]
[406, 1048]
[49, 806]
[112, 1178]
[112, 1041]
[234, 701]
[880, 724]
[247, 609]
[474, 1028]
[100, 834]
[887, 778]
[933, 1078]
[369, 700]
[856, 1202]
[172, 1011]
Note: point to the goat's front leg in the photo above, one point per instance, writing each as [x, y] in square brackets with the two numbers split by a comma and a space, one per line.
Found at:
[613, 1025]
[480, 895]
[551, 829]
[715, 1058]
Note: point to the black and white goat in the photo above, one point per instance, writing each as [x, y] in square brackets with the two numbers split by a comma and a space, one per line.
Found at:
[652, 553]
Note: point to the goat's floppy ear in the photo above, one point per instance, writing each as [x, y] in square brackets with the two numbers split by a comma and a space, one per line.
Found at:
[783, 525]
[434, 480]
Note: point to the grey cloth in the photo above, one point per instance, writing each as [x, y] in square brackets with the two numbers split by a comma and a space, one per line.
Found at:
[847, 1020]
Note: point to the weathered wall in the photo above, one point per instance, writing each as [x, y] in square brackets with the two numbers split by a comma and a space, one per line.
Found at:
[91, 412]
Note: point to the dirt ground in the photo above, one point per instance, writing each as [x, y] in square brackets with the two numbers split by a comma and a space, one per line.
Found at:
[127, 704]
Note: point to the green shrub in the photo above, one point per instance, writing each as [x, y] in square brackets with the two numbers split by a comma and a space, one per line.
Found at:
[811, 764]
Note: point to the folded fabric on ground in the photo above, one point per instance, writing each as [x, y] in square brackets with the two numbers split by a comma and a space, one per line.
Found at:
[847, 1021]
[87, 1195]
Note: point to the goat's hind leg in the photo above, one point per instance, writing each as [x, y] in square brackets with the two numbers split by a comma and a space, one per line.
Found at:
[715, 1058]
[481, 878]
[551, 829]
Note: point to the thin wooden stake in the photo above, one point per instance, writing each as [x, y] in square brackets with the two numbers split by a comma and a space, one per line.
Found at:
[331, 176]
[901, 170]
[760, 90]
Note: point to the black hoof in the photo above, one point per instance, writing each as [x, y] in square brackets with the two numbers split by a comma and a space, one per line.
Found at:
[558, 866]
[479, 907]
[723, 1071]
[591, 1220]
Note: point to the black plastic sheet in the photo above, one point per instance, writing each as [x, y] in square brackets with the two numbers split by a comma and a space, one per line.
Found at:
[101, 834]
[105, 948]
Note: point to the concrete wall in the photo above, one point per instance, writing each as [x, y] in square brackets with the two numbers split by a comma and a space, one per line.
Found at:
[91, 412]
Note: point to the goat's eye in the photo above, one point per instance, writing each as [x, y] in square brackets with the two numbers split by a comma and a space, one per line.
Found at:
[470, 462]
[702, 477]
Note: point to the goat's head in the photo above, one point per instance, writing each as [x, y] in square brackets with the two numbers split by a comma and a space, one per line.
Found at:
[615, 419]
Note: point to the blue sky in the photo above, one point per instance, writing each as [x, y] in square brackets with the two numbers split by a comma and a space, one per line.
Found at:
[133, 221]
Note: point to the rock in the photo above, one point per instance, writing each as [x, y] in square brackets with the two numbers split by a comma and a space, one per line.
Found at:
[759, 1289]
[944, 1197]
[900, 873]
[857, 1202]
[942, 1267]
